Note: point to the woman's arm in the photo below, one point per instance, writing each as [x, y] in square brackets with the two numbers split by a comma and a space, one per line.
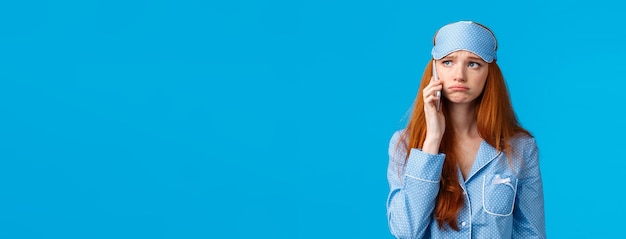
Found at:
[413, 190]
[528, 216]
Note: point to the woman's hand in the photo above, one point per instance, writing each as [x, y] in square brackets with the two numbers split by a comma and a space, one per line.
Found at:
[435, 121]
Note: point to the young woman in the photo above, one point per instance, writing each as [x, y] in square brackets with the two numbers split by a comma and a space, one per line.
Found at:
[464, 167]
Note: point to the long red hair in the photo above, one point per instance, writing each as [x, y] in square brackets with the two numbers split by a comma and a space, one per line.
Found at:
[496, 122]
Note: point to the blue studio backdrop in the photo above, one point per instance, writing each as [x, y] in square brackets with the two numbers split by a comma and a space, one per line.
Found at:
[271, 119]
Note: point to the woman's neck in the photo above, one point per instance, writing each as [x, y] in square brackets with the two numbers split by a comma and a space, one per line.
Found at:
[463, 120]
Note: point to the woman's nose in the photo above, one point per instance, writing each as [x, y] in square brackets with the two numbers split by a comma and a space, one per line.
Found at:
[458, 74]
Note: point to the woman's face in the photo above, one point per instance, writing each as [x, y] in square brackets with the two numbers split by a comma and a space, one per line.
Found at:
[463, 74]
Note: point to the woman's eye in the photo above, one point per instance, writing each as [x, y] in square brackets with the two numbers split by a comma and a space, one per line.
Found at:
[447, 63]
[473, 65]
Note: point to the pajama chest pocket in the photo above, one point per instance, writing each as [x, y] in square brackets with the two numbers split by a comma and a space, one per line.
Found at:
[499, 194]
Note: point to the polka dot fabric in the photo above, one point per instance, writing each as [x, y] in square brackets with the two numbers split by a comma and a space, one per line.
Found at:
[500, 201]
[465, 35]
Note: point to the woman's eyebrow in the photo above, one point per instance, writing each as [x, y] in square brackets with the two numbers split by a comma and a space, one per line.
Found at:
[472, 58]
[449, 57]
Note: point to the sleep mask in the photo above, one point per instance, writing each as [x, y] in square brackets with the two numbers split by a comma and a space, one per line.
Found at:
[465, 35]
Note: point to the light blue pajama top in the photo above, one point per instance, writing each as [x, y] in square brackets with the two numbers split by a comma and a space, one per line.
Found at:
[500, 202]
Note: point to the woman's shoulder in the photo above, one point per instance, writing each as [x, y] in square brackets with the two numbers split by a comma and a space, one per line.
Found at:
[525, 152]
[523, 140]
[394, 148]
[397, 133]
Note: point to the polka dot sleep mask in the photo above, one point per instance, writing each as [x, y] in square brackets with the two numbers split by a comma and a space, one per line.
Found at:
[465, 35]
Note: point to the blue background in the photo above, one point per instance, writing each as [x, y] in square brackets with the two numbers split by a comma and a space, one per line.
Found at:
[271, 119]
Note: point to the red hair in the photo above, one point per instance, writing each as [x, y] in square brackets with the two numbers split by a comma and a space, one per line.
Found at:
[496, 122]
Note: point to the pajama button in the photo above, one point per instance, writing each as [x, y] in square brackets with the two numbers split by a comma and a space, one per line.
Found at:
[463, 224]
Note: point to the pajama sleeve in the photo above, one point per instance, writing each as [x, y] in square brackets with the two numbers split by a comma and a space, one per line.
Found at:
[413, 189]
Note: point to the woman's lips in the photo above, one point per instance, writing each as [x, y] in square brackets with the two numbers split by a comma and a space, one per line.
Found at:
[458, 88]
